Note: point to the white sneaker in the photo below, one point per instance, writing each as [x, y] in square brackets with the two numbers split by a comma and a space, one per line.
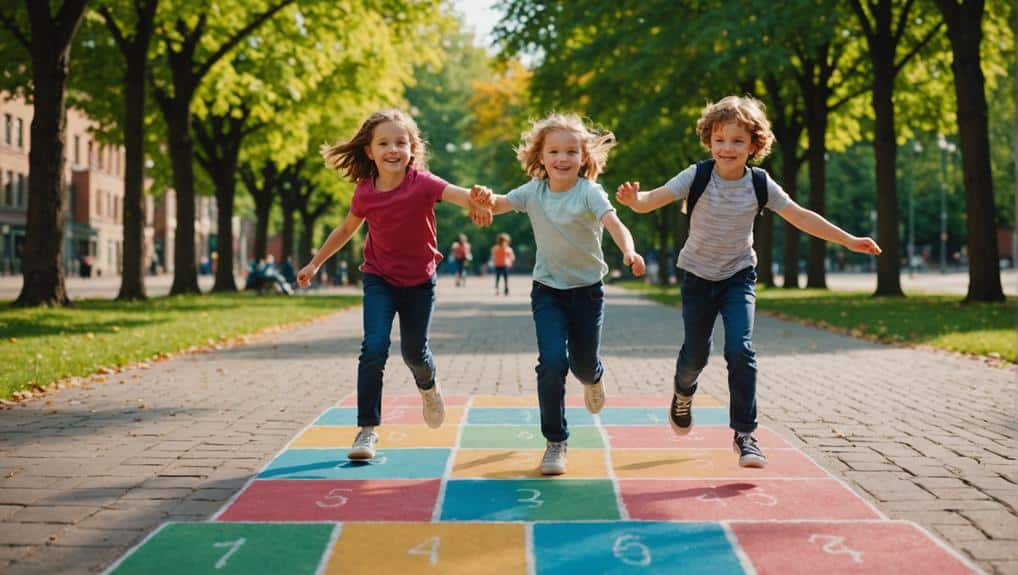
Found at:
[593, 396]
[364, 444]
[432, 406]
[554, 461]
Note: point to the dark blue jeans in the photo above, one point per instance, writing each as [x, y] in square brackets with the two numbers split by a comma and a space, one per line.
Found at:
[735, 299]
[568, 326]
[502, 272]
[382, 301]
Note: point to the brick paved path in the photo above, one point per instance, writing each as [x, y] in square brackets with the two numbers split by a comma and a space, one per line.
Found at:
[923, 435]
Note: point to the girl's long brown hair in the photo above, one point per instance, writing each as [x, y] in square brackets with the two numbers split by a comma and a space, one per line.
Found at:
[350, 159]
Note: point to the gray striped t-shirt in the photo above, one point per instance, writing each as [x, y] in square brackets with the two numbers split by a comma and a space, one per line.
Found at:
[721, 230]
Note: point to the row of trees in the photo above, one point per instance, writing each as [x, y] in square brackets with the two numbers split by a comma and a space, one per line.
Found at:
[832, 72]
[245, 89]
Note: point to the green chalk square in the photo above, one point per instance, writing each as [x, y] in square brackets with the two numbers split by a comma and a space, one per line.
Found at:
[524, 437]
[224, 548]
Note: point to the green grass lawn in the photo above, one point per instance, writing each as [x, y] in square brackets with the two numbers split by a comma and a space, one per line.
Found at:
[940, 321]
[42, 345]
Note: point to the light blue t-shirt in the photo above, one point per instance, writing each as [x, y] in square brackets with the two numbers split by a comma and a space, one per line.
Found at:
[567, 229]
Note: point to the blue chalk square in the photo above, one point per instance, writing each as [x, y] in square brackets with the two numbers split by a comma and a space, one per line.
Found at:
[529, 500]
[629, 547]
[334, 464]
[659, 416]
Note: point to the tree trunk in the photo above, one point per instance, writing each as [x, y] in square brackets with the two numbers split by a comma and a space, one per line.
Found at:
[42, 261]
[185, 271]
[789, 173]
[816, 127]
[225, 192]
[287, 236]
[132, 283]
[965, 33]
[885, 149]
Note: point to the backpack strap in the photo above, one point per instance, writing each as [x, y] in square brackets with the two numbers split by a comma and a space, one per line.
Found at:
[760, 187]
[703, 171]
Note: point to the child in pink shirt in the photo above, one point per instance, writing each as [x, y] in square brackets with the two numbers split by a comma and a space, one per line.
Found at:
[396, 196]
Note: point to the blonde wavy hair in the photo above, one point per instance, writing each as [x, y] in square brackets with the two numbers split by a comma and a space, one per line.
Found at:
[594, 143]
[350, 157]
[747, 112]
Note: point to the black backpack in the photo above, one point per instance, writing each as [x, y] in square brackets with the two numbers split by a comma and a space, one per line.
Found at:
[703, 171]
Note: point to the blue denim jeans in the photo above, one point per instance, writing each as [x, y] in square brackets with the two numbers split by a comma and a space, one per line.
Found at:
[502, 272]
[735, 299]
[568, 326]
[382, 301]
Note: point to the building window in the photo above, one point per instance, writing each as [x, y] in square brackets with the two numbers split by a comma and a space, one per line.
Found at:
[22, 191]
[90, 153]
[77, 150]
[8, 198]
[20, 133]
[8, 127]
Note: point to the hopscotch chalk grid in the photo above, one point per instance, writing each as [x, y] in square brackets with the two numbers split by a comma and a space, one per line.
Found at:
[467, 498]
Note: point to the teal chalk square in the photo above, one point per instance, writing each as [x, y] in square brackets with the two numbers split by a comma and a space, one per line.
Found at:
[524, 437]
[659, 416]
[338, 416]
[634, 547]
[529, 500]
[334, 464]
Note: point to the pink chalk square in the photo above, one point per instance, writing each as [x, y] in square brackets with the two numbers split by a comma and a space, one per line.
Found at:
[808, 548]
[716, 500]
[328, 500]
[411, 400]
[702, 437]
[615, 400]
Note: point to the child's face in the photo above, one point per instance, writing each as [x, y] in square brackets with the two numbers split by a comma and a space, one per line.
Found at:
[730, 146]
[562, 156]
[390, 148]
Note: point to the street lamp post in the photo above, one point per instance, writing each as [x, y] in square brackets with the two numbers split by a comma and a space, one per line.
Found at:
[945, 149]
[917, 148]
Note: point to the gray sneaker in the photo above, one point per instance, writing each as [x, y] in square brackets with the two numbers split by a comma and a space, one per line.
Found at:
[593, 396]
[554, 460]
[364, 444]
[432, 406]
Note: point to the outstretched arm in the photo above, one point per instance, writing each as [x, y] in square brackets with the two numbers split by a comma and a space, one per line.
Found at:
[629, 194]
[498, 204]
[816, 225]
[335, 242]
[620, 233]
[479, 213]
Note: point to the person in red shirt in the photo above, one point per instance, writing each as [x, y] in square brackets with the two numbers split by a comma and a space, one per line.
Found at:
[502, 258]
[396, 195]
[461, 255]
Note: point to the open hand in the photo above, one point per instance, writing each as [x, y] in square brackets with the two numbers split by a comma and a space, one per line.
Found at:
[626, 193]
[481, 216]
[305, 274]
[864, 246]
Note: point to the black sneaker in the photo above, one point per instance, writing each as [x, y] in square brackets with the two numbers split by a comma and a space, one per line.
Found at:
[681, 413]
[749, 452]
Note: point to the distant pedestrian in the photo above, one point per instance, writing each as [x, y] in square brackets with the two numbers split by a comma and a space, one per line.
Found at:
[502, 258]
[568, 211]
[461, 255]
[396, 195]
[718, 257]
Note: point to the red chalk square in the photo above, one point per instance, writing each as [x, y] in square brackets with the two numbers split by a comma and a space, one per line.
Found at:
[321, 500]
[845, 548]
[411, 400]
[714, 500]
[702, 437]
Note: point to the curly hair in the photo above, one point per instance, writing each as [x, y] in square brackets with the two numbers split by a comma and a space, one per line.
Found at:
[594, 142]
[747, 112]
[352, 161]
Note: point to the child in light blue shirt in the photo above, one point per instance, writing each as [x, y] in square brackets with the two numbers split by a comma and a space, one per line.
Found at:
[568, 210]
